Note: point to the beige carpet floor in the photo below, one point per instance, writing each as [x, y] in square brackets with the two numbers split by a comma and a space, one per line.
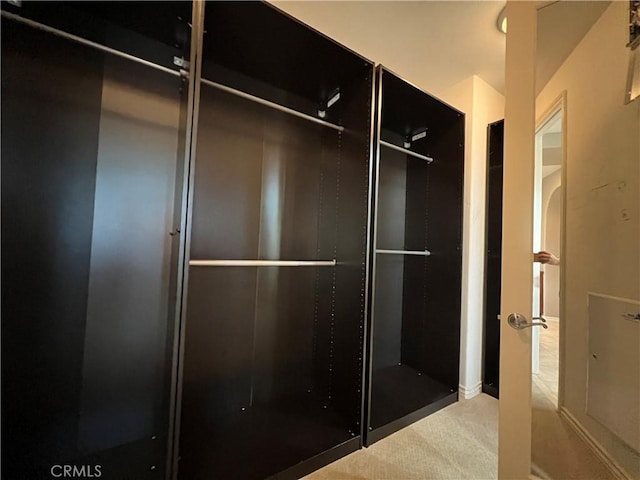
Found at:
[460, 441]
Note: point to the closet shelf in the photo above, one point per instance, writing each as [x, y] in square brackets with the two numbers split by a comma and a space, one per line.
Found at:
[424, 253]
[88, 43]
[406, 150]
[263, 263]
[269, 104]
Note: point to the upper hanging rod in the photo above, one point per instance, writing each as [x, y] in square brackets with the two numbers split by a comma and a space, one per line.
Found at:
[262, 263]
[86, 42]
[407, 151]
[273, 105]
[425, 253]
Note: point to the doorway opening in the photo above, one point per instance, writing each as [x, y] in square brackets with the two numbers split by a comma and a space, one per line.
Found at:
[547, 233]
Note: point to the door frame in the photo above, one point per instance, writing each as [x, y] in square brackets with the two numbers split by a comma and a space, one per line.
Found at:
[559, 105]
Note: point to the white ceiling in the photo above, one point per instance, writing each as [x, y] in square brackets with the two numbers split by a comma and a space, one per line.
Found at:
[549, 169]
[434, 44]
[437, 44]
[551, 145]
[561, 26]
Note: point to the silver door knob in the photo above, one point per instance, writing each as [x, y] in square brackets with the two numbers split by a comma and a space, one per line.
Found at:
[519, 321]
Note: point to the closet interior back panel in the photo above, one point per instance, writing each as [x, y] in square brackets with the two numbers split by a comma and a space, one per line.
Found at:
[91, 169]
[274, 329]
[416, 269]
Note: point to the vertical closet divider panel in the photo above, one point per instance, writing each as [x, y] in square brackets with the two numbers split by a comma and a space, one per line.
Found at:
[441, 347]
[93, 145]
[416, 272]
[353, 192]
[275, 319]
[493, 260]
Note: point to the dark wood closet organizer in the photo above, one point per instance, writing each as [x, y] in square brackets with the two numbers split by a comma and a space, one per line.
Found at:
[275, 314]
[187, 218]
[493, 260]
[416, 274]
[92, 175]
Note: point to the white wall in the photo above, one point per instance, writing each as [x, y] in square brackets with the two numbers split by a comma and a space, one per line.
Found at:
[482, 105]
[602, 252]
[436, 41]
[551, 243]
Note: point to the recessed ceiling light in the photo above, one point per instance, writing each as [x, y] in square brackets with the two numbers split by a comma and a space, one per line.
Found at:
[502, 20]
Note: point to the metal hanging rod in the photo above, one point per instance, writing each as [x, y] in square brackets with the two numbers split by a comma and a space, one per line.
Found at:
[424, 253]
[88, 43]
[273, 105]
[407, 151]
[262, 263]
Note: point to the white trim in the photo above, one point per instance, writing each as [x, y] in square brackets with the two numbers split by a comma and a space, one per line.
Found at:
[467, 393]
[559, 105]
[538, 473]
[611, 297]
[563, 248]
[616, 470]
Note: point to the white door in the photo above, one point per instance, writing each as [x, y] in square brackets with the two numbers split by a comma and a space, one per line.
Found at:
[514, 450]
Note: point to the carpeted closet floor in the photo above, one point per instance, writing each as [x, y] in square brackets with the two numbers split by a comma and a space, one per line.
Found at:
[461, 441]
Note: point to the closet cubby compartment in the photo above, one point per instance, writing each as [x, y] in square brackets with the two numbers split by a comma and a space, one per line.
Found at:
[414, 320]
[275, 317]
[93, 149]
[158, 34]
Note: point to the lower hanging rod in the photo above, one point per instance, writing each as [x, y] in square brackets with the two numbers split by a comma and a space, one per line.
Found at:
[407, 151]
[424, 253]
[84, 41]
[262, 263]
[273, 105]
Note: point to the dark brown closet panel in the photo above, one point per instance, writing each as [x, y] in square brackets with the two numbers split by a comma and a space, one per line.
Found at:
[493, 260]
[92, 160]
[275, 318]
[416, 275]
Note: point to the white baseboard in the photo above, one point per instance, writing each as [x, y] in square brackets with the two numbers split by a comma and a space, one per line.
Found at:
[616, 470]
[467, 393]
[538, 473]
